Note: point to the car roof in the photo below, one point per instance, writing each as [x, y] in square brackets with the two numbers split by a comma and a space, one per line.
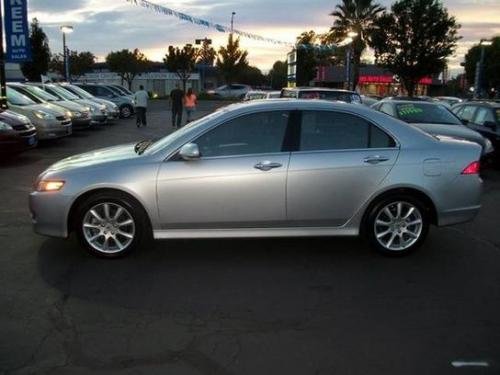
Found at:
[419, 102]
[483, 103]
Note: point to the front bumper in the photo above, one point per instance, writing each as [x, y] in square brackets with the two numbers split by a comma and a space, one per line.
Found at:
[56, 129]
[81, 123]
[49, 213]
[99, 119]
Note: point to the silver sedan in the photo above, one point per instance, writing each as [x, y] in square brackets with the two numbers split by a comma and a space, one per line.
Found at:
[265, 169]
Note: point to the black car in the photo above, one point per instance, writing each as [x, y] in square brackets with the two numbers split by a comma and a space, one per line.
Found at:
[483, 117]
[17, 134]
[321, 93]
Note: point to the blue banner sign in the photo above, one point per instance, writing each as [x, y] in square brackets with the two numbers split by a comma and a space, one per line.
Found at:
[17, 33]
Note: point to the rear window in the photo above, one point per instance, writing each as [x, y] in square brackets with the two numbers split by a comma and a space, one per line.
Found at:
[424, 113]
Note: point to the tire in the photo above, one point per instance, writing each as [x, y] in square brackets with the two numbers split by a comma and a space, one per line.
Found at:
[116, 233]
[400, 237]
[126, 111]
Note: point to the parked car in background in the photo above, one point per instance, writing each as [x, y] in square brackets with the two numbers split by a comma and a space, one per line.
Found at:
[368, 100]
[122, 90]
[50, 121]
[234, 90]
[80, 115]
[267, 168]
[483, 117]
[254, 95]
[125, 103]
[433, 118]
[97, 111]
[17, 133]
[111, 109]
[273, 94]
[321, 93]
[451, 100]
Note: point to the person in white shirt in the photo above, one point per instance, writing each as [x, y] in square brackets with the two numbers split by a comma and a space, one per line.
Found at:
[141, 104]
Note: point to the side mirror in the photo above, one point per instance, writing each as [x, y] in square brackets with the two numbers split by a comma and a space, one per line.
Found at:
[491, 125]
[189, 152]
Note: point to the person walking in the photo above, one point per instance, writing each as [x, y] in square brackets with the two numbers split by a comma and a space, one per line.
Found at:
[190, 102]
[141, 104]
[176, 99]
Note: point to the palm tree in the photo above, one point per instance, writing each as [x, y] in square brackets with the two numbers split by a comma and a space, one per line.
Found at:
[354, 16]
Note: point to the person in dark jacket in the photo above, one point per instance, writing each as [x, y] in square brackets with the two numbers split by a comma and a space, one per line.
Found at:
[176, 98]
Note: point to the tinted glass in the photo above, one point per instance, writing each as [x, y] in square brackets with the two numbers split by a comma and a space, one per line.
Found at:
[483, 115]
[90, 89]
[102, 91]
[467, 112]
[322, 130]
[16, 98]
[28, 94]
[422, 113]
[327, 95]
[257, 133]
[65, 94]
[37, 91]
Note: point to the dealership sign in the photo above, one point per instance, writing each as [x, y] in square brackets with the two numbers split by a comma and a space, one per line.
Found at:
[17, 31]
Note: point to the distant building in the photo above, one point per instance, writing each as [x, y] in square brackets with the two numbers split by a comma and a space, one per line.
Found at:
[13, 73]
[373, 80]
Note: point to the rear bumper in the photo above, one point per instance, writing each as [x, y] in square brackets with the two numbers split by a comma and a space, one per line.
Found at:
[458, 215]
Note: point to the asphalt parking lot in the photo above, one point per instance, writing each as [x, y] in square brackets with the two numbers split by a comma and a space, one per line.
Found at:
[281, 306]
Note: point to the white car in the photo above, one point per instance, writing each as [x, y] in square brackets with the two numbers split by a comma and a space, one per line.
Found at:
[273, 94]
[234, 90]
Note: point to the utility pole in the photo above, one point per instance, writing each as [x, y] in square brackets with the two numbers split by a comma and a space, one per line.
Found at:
[3, 85]
[232, 22]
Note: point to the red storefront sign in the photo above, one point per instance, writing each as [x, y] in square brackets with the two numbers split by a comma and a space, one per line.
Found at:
[388, 79]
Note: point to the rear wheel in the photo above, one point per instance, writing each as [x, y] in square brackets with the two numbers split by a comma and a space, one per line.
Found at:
[397, 225]
[111, 225]
[126, 111]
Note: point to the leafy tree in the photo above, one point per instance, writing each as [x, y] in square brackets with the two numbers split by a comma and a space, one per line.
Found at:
[278, 75]
[40, 52]
[206, 54]
[251, 75]
[231, 60]
[181, 61]
[79, 63]
[306, 58]
[127, 64]
[491, 76]
[354, 16]
[414, 40]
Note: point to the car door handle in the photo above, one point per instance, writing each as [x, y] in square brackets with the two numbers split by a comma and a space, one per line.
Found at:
[267, 165]
[375, 159]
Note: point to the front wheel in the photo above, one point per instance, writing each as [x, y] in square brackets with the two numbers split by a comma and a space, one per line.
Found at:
[126, 111]
[397, 225]
[111, 225]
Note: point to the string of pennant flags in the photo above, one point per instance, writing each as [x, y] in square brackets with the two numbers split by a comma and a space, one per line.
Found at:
[160, 9]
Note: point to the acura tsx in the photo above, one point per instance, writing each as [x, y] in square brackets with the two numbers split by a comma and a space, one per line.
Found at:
[270, 168]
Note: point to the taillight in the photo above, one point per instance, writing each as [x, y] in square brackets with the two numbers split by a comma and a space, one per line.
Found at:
[472, 168]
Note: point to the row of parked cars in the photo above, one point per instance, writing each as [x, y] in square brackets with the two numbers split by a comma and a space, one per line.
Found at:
[41, 111]
[442, 116]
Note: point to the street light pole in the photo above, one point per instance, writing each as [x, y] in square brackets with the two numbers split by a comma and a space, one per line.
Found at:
[348, 66]
[66, 29]
[232, 22]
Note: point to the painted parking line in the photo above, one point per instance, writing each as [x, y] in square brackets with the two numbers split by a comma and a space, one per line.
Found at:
[470, 364]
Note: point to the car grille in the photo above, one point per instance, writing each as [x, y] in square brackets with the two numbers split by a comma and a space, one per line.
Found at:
[61, 118]
[28, 133]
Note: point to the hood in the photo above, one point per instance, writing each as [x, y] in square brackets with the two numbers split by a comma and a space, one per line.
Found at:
[453, 131]
[96, 157]
[88, 103]
[109, 104]
[13, 118]
[46, 107]
[69, 105]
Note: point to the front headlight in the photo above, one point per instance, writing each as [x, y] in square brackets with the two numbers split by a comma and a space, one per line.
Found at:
[4, 126]
[43, 115]
[49, 185]
[488, 146]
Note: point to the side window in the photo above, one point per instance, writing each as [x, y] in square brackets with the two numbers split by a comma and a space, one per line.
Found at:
[483, 115]
[102, 91]
[89, 89]
[468, 112]
[387, 109]
[257, 133]
[324, 130]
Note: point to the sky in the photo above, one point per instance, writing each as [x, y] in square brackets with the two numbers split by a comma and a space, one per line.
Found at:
[101, 26]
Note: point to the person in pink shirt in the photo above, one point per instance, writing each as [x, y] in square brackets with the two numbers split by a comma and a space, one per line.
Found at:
[190, 102]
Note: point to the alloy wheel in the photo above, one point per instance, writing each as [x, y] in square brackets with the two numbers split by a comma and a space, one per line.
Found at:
[108, 227]
[398, 226]
[126, 112]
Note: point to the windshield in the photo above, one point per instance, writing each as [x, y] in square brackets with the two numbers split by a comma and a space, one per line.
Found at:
[39, 93]
[425, 113]
[115, 90]
[16, 98]
[327, 95]
[82, 94]
[62, 93]
[123, 90]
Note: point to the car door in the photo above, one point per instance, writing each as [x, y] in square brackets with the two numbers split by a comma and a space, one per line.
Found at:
[340, 160]
[239, 180]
